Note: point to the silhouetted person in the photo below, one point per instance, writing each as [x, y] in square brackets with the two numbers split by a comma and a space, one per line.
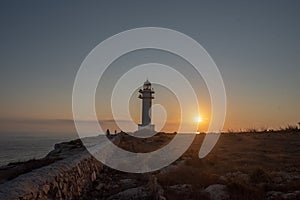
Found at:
[107, 132]
[115, 132]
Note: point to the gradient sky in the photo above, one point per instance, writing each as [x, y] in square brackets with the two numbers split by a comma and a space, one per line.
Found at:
[255, 44]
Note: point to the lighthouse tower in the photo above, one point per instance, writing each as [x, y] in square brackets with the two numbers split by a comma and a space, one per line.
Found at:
[146, 96]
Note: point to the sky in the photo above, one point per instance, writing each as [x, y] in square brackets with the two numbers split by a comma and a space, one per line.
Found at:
[255, 45]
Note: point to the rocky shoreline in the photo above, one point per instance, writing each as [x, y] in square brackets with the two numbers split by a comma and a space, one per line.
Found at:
[61, 151]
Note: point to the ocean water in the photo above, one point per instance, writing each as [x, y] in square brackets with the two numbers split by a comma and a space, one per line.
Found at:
[17, 146]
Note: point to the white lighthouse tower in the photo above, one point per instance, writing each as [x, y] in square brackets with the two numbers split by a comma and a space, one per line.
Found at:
[146, 96]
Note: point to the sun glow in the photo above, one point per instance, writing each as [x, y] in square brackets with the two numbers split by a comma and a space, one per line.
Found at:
[198, 119]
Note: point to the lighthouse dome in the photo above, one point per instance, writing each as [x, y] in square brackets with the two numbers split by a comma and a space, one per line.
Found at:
[147, 85]
[147, 82]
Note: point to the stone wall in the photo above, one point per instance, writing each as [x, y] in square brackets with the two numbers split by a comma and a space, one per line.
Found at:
[64, 179]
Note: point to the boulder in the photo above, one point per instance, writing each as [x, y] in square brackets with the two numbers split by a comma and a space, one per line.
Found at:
[181, 188]
[217, 192]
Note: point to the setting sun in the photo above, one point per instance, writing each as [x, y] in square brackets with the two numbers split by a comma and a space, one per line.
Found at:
[198, 119]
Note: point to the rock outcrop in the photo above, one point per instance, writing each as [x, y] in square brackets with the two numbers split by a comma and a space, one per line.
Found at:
[217, 192]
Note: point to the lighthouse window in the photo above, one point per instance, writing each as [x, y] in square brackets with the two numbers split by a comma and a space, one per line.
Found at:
[146, 86]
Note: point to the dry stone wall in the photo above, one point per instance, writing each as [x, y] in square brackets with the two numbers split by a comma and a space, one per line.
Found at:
[65, 179]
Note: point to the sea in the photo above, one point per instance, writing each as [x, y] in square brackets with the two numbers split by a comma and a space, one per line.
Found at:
[20, 146]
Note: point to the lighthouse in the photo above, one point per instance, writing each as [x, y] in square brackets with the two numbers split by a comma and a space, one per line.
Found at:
[146, 94]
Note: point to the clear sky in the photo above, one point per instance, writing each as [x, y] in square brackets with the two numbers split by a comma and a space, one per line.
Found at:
[255, 44]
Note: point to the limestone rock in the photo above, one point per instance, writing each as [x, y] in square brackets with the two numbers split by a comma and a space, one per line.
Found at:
[132, 193]
[181, 188]
[100, 186]
[217, 192]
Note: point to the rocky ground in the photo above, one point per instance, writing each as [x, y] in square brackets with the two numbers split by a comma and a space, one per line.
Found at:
[241, 166]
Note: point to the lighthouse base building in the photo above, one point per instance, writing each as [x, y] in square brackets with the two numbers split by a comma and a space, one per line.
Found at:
[150, 127]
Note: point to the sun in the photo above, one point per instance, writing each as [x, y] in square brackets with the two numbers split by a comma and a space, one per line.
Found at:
[198, 119]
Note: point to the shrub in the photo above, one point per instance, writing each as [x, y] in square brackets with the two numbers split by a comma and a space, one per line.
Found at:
[259, 176]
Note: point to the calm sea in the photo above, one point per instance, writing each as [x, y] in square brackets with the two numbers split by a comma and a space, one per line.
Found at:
[24, 146]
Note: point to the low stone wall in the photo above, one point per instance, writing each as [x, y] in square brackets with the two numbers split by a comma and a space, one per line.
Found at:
[65, 179]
